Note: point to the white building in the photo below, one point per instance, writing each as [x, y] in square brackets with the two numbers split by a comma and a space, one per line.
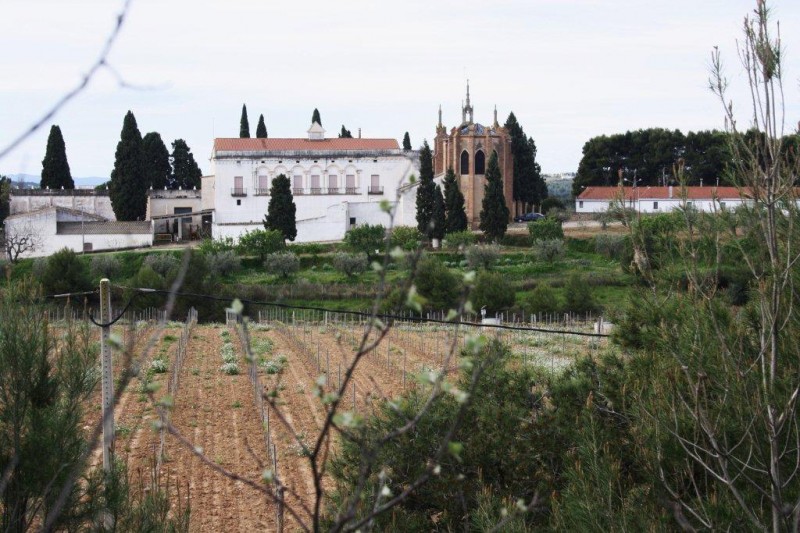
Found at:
[336, 183]
[89, 201]
[658, 199]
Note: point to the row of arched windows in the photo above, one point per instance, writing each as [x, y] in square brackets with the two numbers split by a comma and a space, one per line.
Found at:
[480, 162]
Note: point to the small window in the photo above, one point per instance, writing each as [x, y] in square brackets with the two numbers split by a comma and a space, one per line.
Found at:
[580, 203]
[655, 205]
[87, 247]
[352, 221]
[349, 160]
[238, 202]
[722, 205]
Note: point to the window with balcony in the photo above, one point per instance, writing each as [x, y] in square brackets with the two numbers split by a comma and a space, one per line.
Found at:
[333, 184]
[350, 184]
[262, 188]
[297, 184]
[238, 187]
[375, 184]
[315, 188]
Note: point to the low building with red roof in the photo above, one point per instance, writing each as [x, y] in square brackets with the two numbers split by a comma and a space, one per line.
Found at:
[646, 199]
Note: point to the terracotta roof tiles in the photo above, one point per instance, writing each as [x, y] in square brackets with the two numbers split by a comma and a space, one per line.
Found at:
[302, 144]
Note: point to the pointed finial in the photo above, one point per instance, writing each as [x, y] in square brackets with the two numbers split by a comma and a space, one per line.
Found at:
[467, 91]
[495, 115]
[440, 115]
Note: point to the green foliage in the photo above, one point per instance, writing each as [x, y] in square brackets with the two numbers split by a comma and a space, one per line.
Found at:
[261, 129]
[425, 191]
[105, 266]
[212, 246]
[148, 277]
[282, 264]
[494, 212]
[244, 124]
[223, 263]
[128, 186]
[157, 170]
[345, 133]
[528, 185]
[437, 215]
[609, 245]
[406, 238]
[456, 216]
[164, 264]
[350, 264]
[186, 173]
[406, 142]
[260, 243]
[482, 255]
[460, 240]
[65, 272]
[55, 168]
[315, 117]
[281, 211]
[542, 300]
[545, 229]
[440, 287]
[493, 291]
[550, 203]
[578, 294]
[367, 238]
[5, 192]
[549, 250]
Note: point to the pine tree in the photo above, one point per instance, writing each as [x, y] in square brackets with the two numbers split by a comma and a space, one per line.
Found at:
[425, 191]
[438, 215]
[315, 117]
[244, 124]
[55, 168]
[261, 129]
[281, 212]
[128, 187]
[406, 142]
[456, 219]
[345, 133]
[185, 172]
[528, 186]
[157, 171]
[494, 212]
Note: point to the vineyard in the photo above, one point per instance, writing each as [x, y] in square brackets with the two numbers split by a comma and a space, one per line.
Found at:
[217, 385]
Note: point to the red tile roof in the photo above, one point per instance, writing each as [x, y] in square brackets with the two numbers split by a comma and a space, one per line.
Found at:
[279, 145]
[660, 193]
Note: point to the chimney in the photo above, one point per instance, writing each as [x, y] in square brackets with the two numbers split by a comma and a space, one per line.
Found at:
[670, 191]
[359, 133]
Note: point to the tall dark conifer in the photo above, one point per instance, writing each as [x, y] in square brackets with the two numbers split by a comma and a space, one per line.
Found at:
[438, 214]
[315, 117]
[528, 186]
[345, 133]
[494, 212]
[157, 170]
[406, 142]
[425, 190]
[5, 192]
[185, 172]
[456, 215]
[261, 129]
[281, 211]
[128, 187]
[244, 124]
[55, 168]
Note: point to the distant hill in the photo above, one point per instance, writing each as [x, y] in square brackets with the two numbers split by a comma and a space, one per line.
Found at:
[29, 181]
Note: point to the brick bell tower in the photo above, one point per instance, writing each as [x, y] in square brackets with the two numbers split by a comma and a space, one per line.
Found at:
[467, 149]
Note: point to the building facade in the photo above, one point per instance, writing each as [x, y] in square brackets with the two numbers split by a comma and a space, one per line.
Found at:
[336, 183]
[659, 199]
[466, 149]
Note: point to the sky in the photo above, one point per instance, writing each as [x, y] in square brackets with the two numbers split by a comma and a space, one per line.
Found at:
[568, 69]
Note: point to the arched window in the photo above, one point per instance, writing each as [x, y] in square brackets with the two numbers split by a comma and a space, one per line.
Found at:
[480, 163]
[464, 162]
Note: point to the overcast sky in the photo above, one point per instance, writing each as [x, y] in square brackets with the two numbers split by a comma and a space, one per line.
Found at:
[569, 69]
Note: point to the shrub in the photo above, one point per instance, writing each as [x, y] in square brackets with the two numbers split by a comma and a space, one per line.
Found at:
[38, 267]
[549, 250]
[105, 266]
[459, 240]
[542, 300]
[311, 248]
[158, 366]
[609, 245]
[65, 272]
[210, 246]
[482, 255]
[579, 297]
[368, 239]
[350, 264]
[545, 229]
[223, 263]
[260, 243]
[439, 286]
[231, 369]
[282, 264]
[551, 203]
[162, 263]
[406, 237]
[493, 291]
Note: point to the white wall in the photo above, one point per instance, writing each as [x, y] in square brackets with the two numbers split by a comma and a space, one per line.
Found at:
[95, 204]
[647, 205]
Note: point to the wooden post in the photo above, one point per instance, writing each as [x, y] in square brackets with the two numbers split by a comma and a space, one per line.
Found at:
[106, 376]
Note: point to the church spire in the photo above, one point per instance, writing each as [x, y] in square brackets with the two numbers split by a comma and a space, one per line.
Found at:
[496, 124]
[466, 109]
[440, 115]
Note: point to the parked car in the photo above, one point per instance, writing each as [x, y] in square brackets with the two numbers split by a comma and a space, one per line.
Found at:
[528, 217]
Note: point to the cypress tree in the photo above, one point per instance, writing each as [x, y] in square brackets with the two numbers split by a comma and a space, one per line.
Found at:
[406, 142]
[261, 129]
[244, 124]
[438, 215]
[315, 117]
[528, 186]
[55, 168]
[494, 212]
[185, 172]
[345, 133]
[425, 191]
[5, 191]
[128, 188]
[456, 219]
[281, 211]
[157, 170]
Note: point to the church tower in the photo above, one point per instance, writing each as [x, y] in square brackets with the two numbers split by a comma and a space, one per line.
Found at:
[467, 149]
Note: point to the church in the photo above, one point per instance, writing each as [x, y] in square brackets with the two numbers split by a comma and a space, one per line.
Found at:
[467, 149]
